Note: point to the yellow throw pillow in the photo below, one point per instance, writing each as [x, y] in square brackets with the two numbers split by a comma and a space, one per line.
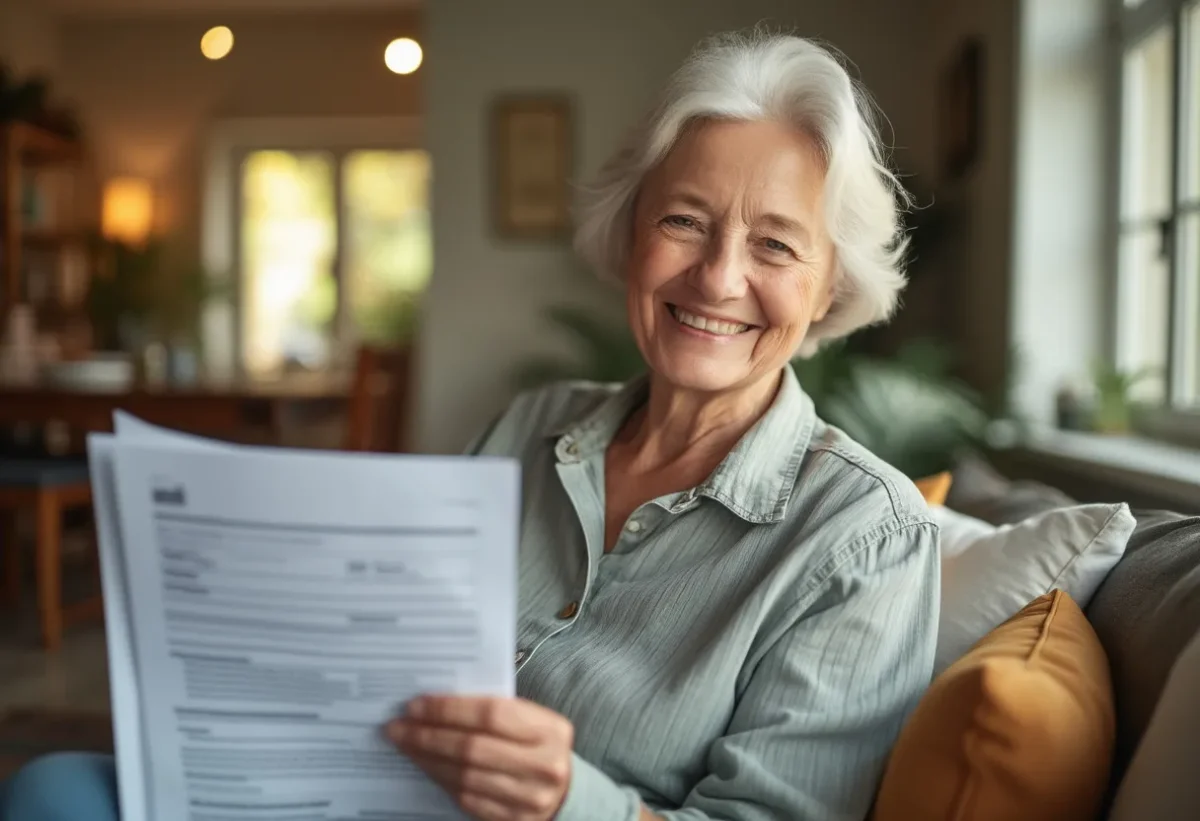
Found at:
[935, 488]
[1019, 729]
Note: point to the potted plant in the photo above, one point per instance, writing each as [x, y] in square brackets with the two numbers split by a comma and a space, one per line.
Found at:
[183, 289]
[907, 409]
[1115, 406]
[151, 296]
[389, 320]
[600, 350]
[119, 297]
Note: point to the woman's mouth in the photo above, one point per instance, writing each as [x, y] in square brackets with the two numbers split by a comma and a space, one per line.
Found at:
[716, 327]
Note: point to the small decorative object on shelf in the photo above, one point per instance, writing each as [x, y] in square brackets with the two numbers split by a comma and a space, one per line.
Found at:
[1072, 407]
[154, 365]
[18, 348]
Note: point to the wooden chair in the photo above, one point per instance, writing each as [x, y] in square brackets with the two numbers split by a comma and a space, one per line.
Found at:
[48, 487]
[377, 414]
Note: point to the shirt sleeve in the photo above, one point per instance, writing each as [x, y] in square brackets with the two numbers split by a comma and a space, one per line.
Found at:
[812, 730]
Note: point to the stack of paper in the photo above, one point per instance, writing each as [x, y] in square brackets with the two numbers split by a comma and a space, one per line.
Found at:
[268, 610]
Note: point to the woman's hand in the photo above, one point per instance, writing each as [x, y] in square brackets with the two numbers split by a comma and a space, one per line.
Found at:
[501, 759]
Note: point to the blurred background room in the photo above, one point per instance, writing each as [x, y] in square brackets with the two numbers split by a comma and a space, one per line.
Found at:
[346, 224]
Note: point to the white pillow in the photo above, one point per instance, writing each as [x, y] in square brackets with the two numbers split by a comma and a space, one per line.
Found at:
[989, 573]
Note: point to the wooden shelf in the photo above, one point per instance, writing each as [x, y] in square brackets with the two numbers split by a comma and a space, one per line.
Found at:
[36, 145]
[52, 240]
[31, 155]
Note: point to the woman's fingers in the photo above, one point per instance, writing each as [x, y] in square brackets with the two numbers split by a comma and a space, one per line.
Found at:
[479, 751]
[471, 749]
[463, 784]
[499, 758]
[507, 717]
[482, 808]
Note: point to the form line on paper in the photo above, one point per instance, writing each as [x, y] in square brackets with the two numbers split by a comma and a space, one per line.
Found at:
[335, 529]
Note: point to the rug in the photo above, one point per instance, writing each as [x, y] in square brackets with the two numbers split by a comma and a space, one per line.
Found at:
[27, 733]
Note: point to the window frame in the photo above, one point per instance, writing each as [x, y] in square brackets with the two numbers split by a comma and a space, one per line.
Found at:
[228, 142]
[1132, 26]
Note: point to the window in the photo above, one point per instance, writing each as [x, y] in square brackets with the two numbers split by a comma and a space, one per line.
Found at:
[1157, 295]
[335, 249]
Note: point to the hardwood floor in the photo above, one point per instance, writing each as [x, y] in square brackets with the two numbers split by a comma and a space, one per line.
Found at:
[75, 677]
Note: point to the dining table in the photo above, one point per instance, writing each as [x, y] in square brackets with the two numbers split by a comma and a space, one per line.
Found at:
[248, 411]
[257, 409]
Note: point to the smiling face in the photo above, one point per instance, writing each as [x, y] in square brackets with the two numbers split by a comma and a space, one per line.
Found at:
[731, 262]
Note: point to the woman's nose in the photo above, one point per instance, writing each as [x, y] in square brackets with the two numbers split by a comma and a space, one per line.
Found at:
[721, 275]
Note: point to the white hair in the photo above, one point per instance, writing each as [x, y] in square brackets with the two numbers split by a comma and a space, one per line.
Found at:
[791, 80]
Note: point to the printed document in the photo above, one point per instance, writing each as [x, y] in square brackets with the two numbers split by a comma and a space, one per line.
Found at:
[269, 610]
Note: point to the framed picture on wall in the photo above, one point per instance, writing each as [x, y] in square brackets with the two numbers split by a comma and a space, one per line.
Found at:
[960, 109]
[532, 158]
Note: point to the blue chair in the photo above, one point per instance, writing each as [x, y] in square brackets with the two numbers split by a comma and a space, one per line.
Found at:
[48, 487]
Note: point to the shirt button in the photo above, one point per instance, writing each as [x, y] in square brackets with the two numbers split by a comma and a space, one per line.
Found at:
[569, 611]
[519, 657]
[634, 526]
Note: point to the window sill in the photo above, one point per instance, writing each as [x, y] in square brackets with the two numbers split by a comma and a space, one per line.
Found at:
[1173, 426]
[1167, 470]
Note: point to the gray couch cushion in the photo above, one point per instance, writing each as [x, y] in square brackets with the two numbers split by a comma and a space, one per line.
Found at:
[1145, 613]
[1161, 780]
[978, 490]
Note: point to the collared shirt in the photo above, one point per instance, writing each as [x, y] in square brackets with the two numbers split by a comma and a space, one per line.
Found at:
[751, 646]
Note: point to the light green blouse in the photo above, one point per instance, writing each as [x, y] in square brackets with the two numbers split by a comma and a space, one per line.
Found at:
[752, 645]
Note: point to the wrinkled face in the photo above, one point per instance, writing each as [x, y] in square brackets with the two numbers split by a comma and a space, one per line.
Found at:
[731, 261]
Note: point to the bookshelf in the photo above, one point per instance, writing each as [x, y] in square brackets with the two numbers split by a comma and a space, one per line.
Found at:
[45, 197]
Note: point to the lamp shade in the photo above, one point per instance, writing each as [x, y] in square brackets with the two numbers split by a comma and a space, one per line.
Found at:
[128, 209]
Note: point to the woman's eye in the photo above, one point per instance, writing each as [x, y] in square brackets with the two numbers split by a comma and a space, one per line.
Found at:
[680, 221]
[777, 246]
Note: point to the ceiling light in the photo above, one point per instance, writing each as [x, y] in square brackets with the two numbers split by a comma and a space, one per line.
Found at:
[403, 55]
[216, 42]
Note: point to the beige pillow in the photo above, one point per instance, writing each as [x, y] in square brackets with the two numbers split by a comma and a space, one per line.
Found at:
[935, 488]
[1019, 729]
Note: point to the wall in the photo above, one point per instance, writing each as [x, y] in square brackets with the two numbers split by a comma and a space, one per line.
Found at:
[28, 40]
[148, 98]
[1027, 280]
[484, 313]
[976, 307]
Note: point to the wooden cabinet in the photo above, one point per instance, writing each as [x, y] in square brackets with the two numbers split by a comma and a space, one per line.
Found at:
[48, 207]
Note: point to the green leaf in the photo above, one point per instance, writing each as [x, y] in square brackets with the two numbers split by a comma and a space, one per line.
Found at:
[914, 421]
[599, 350]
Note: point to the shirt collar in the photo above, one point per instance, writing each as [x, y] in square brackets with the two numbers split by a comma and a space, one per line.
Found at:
[755, 480]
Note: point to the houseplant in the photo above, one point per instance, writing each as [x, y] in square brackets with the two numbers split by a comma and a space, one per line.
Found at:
[29, 100]
[599, 350]
[1114, 404]
[119, 296]
[389, 320]
[154, 294]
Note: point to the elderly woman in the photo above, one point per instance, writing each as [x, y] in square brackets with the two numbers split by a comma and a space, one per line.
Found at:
[727, 608]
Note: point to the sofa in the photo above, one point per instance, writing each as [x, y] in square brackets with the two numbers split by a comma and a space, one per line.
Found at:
[1145, 612]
